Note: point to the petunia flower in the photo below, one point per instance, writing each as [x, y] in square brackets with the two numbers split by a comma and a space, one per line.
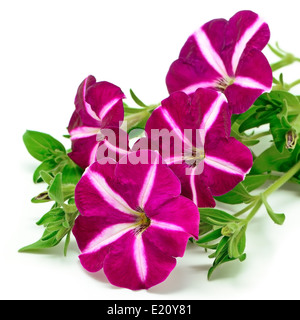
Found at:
[207, 160]
[225, 55]
[133, 221]
[98, 114]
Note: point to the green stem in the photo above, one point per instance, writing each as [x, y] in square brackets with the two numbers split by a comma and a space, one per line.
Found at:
[293, 84]
[286, 60]
[257, 205]
[239, 213]
[257, 202]
[259, 135]
[132, 120]
[282, 180]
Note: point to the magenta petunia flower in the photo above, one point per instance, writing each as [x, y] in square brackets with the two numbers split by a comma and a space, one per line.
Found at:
[206, 160]
[98, 114]
[133, 221]
[225, 55]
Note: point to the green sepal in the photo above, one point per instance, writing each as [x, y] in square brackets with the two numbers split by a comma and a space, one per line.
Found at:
[137, 100]
[55, 190]
[46, 177]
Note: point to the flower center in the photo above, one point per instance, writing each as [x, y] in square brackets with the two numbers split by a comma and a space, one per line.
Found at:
[143, 222]
[195, 157]
[222, 83]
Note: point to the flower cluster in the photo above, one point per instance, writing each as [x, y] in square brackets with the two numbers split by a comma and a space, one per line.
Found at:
[139, 206]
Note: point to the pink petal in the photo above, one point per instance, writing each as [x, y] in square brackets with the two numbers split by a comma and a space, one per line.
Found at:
[189, 76]
[95, 234]
[253, 77]
[145, 181]
[215, 115]
[96, 193]
[105, 100]
[172, 225]
[83, 109]
[193, 186]
[84, 151]
[246, 30]
[135, 263]
[226, 163]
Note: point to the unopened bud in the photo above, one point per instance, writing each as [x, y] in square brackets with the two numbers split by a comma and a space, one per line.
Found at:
[291, 138]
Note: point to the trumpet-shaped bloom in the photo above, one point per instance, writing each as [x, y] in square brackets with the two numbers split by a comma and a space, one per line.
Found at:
[206, 160]
[133, 221]
[98, 114]
[225, 55]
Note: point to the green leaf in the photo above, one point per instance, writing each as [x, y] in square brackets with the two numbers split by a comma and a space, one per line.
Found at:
[222, 217]
[137, 100]
[284, 97]
[48, 178]
[67, 241]
[252, 182]
[211, 236]
[71, 173]
[222, 256]
[269, 108]
[54, 215]
[41, 145]
[237, 243]
[237, 195]
[47, 165]
[129, 110]
[257, 116]
[273, 160]
[278, 218]
[55, 190]
[40, 244]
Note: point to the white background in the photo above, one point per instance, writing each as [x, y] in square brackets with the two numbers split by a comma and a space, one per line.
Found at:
[47, 49]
